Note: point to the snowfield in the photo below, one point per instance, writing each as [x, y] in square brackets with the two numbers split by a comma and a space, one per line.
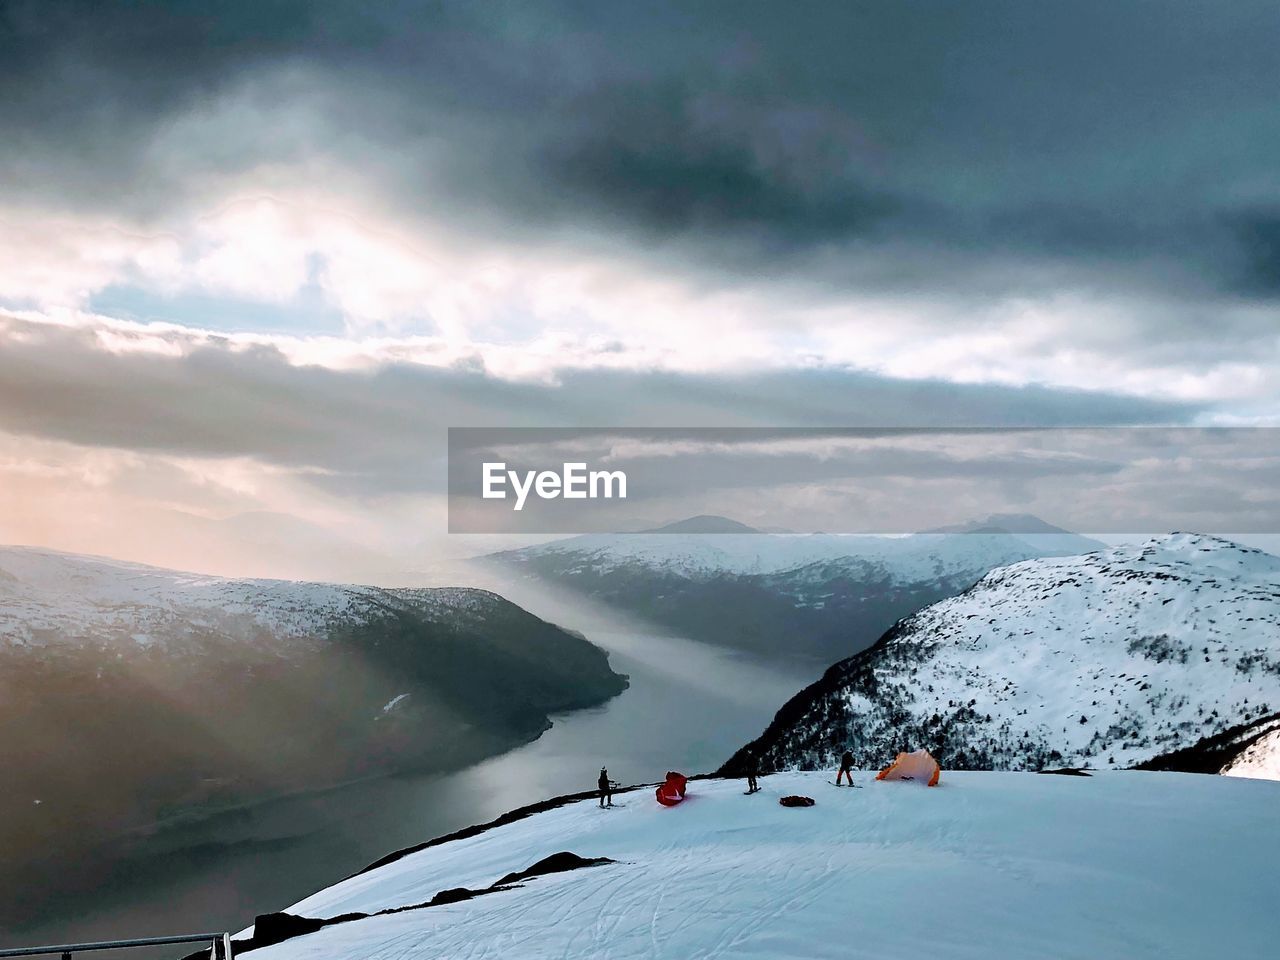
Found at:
[1125, 865]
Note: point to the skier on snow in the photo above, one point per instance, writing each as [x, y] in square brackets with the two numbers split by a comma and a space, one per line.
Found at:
[846, 768]
[753, 771]
[606, 787]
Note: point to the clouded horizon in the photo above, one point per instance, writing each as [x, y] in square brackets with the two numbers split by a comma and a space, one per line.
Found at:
[256, 260]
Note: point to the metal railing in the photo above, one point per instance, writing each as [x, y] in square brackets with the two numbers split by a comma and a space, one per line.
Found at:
[219, 946]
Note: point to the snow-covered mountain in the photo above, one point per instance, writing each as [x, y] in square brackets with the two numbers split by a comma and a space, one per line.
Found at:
[1111, 659]
[816, 596]
[987, 866]
[130, 692]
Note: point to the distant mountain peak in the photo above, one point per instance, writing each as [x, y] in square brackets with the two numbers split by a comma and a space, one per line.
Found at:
[704, 523]
[1026, 527]
[1001, 523]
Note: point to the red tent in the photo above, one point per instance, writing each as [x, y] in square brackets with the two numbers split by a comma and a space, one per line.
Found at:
[671, 792]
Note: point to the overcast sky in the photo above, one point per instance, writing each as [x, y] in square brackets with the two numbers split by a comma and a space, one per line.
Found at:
[255, 257]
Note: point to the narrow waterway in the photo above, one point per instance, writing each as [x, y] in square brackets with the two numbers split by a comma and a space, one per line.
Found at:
[689, 706]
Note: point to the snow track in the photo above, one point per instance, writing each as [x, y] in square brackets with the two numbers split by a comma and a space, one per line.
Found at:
[988, 865]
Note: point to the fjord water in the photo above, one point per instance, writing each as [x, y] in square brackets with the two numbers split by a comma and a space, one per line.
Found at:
[688, 707]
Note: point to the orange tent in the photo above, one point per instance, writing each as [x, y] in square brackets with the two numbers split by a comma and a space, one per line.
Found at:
[913, 766]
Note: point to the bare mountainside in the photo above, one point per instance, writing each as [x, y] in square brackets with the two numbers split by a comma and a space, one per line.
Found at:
[1117, 658]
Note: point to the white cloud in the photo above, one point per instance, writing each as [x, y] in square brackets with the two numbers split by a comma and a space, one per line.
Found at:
[425, 294]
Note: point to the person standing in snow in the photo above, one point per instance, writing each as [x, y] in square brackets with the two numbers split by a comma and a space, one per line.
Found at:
[846, 768]
[753, 771]
[606, 788]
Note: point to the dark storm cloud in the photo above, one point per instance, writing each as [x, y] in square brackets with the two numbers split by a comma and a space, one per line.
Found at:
[902, 141]
[383, 431]
[1260, 233]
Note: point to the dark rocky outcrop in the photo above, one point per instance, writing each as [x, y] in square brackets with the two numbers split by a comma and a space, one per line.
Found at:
[273, 928]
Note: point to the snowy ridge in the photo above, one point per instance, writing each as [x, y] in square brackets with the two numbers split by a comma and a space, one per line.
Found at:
[1108, 659]
[706, 554]
[814, 598]
[987, 865]
[49, 597]
[911, 558]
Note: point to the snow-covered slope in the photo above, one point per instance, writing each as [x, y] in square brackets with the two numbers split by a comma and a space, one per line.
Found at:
[1108, 659]
[1261, 759]
[48, 597]
[816, 596]
[987, 866]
